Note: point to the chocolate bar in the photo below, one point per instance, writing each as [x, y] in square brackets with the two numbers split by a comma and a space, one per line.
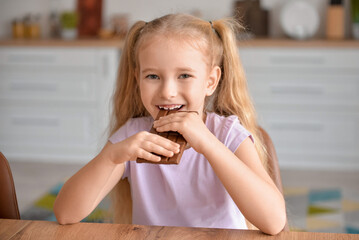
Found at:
[173, 136]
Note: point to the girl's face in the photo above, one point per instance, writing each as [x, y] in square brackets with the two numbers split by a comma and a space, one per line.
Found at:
[172, 74]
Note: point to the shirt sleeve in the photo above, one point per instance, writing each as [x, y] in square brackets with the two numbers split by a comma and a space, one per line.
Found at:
[236, 133]
[118, 136]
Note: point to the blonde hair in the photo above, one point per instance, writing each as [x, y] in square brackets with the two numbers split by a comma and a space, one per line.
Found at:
[218, 39]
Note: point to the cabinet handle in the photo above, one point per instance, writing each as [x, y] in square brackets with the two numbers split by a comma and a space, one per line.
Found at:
[44, 87]
[316, 127]
[35, 121]
[312, 90]
[33, 59]
[105, 66]
[295, 60]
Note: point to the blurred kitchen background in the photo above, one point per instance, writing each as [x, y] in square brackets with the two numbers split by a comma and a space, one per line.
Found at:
[45, 13]
[58, 65]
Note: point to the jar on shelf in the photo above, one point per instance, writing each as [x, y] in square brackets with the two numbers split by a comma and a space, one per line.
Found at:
[54, 25]
[35, 27]
[32, 26]
[335, 20]
[18, 29]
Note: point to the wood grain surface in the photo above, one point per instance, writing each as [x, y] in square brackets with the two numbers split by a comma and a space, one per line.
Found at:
[25, 229]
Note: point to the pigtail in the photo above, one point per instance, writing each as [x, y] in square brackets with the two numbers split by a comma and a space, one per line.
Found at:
[232, 95]
[126, 104]
[233, 80]
[126, 99]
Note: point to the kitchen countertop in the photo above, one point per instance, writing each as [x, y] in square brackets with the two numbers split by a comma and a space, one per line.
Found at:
[92, 42]
[286, 42]
[118, 43]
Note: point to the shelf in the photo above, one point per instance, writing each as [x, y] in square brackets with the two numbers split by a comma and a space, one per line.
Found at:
[321, 43]
[118, 43]
[110, 43]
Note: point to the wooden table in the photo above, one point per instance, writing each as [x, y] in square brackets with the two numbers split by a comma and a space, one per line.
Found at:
[24, 229]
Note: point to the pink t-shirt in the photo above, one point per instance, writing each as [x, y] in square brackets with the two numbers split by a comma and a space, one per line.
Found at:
[189, 194]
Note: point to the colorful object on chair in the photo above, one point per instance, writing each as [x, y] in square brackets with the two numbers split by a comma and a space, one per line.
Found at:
[312, 210]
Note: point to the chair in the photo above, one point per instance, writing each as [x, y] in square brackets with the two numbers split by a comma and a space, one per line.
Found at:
[273, 166]
[124, 194]
[8, 201]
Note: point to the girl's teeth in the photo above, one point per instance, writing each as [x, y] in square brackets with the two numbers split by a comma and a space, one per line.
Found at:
[170, 108]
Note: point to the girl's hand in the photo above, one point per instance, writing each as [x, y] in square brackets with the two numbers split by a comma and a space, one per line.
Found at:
[142, 145]
[189, 124]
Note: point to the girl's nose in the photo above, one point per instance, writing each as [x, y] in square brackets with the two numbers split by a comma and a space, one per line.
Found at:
[169, 89]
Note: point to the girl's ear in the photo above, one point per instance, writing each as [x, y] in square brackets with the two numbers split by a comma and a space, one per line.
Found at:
[213, 80]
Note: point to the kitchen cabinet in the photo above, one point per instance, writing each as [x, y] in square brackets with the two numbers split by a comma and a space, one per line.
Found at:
[55, 101]
[308, 101]
[54, 98]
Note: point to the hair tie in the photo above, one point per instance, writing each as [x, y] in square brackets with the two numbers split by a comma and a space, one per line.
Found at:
[213, 29]
[210, 22]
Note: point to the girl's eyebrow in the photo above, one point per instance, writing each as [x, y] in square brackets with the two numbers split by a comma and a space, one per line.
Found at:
[185, 69]
[180, 69]
[148, 70]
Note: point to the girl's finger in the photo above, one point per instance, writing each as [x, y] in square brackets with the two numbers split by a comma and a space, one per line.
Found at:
[171, 126]
[164, 142]
[175, 123]
[176, 117]
[158, 149]
[167, 120]
[148, 156]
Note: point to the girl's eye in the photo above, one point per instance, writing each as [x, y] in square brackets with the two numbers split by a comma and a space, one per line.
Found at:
[184, 76]
[152, 76]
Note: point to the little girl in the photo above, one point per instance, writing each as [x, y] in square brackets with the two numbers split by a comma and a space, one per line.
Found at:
[181, 62]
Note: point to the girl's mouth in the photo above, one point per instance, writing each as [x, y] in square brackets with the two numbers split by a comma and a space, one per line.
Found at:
[170, 107]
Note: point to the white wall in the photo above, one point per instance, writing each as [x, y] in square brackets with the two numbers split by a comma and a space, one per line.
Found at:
[142, 10]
